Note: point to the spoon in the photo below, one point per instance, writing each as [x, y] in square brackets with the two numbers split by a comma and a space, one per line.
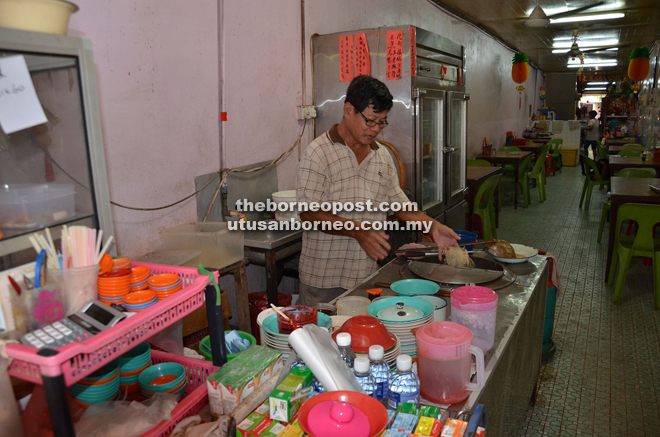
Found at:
[277, 310]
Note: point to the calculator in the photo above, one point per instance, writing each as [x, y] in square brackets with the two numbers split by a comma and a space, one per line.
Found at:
[92, 318]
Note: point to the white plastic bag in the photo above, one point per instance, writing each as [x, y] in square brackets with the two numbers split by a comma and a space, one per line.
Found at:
[126, 419]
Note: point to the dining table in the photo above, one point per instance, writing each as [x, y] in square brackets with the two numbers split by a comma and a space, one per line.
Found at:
[476, 176]
[628, 190]
[618, 162]
[614, 150]
[533, 147]
[619, 141]
[508, 158]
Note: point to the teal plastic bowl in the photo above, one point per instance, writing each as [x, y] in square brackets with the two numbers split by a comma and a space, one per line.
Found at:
[422, 305]
[206, 341]
[93, 394]
[125, 380]
[158, 370]
[270, 324]
[414, 287]
[104, 372]
[136, 358]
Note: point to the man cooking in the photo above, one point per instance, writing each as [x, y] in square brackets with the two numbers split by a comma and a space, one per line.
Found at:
[347, 165]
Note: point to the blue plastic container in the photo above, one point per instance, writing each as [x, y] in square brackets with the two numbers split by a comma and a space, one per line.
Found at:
[467, 237]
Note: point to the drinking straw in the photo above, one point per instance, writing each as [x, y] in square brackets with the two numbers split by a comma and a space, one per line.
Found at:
[99, 241]
[104, 250]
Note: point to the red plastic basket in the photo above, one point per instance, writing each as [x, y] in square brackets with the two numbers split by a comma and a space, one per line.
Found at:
[77, 360]
[196, 396]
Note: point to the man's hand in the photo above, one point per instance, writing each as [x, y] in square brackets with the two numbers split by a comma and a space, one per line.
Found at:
[374, 243]
[443, 236]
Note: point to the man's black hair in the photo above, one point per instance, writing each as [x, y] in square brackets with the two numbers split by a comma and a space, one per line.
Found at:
[593, 114]
[364, 91]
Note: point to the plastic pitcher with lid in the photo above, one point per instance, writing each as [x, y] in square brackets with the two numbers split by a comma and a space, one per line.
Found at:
[444, 360]
[475, 308]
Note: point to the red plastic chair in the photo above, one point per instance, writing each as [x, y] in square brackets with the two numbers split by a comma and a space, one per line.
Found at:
[550, 165]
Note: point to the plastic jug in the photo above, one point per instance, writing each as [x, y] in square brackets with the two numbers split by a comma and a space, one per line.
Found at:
[476, 308]
[444, 362]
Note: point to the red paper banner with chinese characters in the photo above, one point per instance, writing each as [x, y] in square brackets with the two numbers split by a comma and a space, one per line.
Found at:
[362, 61]
[394, 54]
[346, 58]
[413, 53]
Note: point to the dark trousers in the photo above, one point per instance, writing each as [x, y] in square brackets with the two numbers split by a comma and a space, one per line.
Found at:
[586, 145]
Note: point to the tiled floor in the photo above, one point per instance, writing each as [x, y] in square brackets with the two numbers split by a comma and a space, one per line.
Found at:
[605, 376]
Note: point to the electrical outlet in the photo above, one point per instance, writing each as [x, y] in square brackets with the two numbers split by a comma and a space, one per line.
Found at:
[306, 112]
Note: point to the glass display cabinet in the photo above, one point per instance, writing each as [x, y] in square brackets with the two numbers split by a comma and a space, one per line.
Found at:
[53, 174]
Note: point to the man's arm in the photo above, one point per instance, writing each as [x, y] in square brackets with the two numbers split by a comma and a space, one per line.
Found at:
[373, 242]
[442, 235]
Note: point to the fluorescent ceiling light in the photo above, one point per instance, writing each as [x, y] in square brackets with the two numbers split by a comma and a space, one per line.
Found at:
[590, 61]
[604, 64]
[597, 83]
[594, 17]
[613, 49]
[587, 45]
[595, 89]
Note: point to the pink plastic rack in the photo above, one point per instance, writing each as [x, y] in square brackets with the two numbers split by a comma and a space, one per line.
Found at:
[77, 360]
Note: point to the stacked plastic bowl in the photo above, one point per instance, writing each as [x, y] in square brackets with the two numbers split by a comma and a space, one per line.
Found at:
[139, 300]
[114, 285]
[165, 284]
[163, 378]
[131, 364]
[100, 386]
[139, 277]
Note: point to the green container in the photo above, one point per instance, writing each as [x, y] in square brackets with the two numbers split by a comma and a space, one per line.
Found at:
[207, 342]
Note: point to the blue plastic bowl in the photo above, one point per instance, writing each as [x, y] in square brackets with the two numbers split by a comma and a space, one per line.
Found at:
[413, 287]
[427, 308]
[158, 370]
[104, 372]
[467, 237]
[270, 324]
[136, 358]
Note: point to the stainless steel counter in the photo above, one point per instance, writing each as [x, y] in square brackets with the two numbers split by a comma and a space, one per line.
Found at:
[512, 365]
[270, 240]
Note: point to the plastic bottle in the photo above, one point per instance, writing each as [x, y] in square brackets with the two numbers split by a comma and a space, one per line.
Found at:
[403, 390]
[344, 343]
[364, 377]
[379, 370]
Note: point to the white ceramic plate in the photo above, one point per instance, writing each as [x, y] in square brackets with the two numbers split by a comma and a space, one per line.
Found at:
[525, 251]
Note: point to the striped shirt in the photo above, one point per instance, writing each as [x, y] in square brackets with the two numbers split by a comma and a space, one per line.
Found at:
[329, 172]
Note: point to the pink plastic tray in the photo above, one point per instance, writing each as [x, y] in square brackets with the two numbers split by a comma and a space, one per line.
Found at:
[77, 360]
[196, 396]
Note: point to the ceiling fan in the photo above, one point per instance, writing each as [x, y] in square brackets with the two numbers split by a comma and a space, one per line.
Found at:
[576, 52]
[538, 18]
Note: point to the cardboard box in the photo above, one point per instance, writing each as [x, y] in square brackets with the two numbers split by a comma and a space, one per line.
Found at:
[249, 423]
[285, 400]
[237, 379]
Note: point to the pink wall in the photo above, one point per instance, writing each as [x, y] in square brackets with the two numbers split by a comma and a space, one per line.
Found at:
[157, 73]
[264, 85]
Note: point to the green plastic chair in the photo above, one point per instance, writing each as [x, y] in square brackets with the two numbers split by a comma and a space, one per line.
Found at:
[478, 163]
[589, 183]
[602, 151]
[508, 168]
[537, 173]
[555, 150]
[642, 244]
[484, 206]
[624, 173]
[633, 145]
[630, 153]
[523, 183]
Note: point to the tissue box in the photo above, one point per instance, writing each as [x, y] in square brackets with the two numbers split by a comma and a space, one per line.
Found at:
[237, 379]
[282, 407]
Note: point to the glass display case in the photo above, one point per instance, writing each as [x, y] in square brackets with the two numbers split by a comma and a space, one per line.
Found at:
[431, 118]
[53, 174]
